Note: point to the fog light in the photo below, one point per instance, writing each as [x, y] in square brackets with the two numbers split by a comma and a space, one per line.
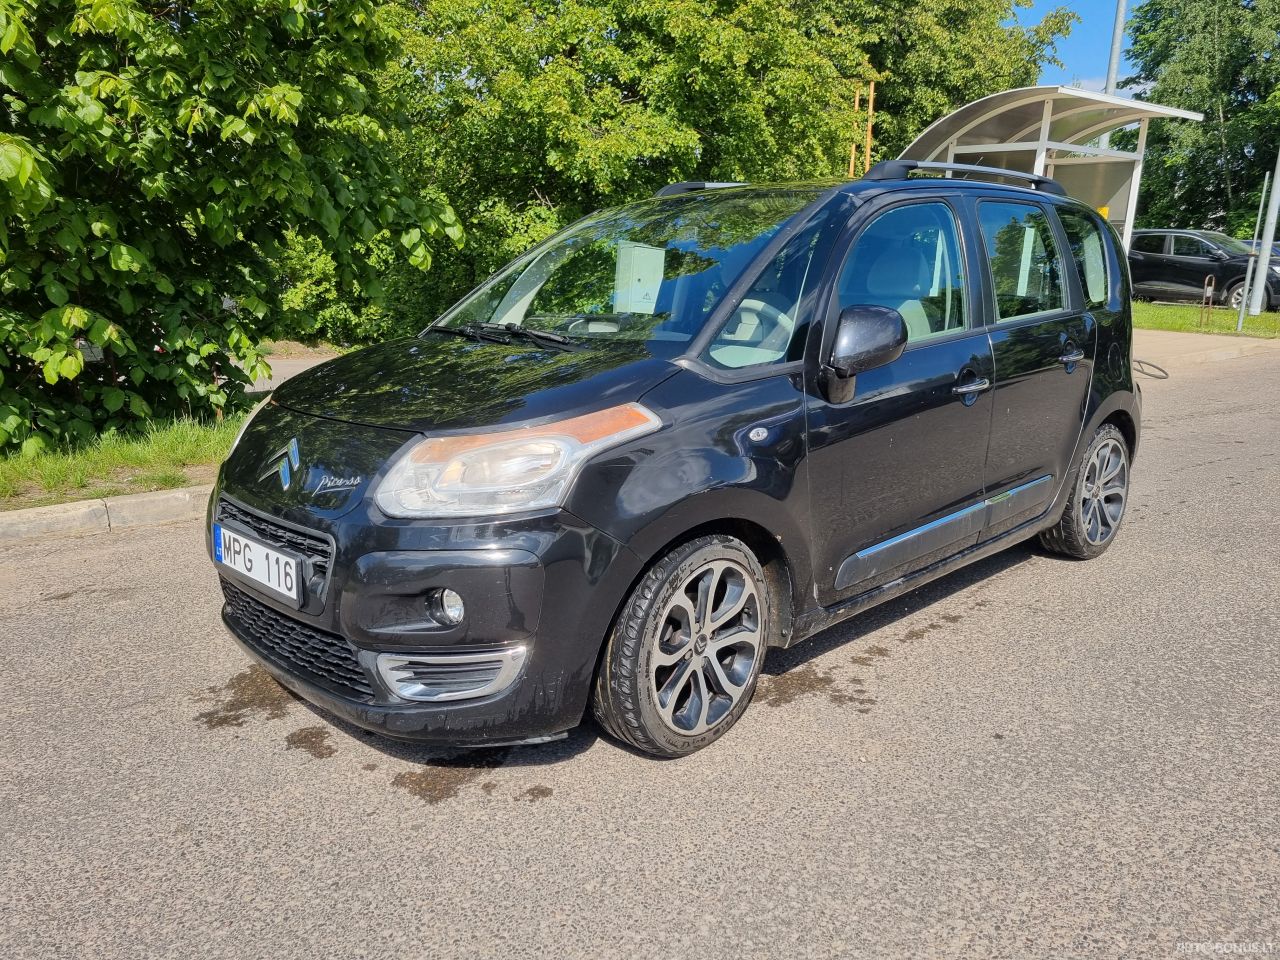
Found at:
[446, 607]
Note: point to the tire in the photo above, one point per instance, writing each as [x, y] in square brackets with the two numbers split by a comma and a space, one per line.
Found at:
[1234, 292]
[672, 680]
[1089, 522]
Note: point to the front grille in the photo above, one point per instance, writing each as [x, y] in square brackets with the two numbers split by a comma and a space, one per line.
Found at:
[321, 657]
[315, 548]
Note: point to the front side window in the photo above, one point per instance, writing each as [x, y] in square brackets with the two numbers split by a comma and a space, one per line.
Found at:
[1026, 268]
[1089, 252]
[1149, 243]
[1190, 247]
[652, 271]
[909, 259]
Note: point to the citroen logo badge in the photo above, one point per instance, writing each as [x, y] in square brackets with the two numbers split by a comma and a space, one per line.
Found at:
[283, 463]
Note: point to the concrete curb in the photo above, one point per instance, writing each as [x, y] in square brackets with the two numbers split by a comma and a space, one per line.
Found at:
[101, 516]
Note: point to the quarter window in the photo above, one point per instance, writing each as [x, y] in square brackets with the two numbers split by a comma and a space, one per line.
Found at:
[1026, 267]
[1090, 254]
[769, 323]
[909, 259]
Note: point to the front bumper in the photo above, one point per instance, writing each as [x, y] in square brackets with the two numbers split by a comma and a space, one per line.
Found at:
[545, 585]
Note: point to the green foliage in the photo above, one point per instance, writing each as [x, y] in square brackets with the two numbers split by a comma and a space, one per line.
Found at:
[115, 463]
[153, 159]
[1220, 57]
[528, 115]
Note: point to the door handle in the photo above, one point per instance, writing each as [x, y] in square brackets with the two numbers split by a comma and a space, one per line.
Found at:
[1075, 356]
[973, 386]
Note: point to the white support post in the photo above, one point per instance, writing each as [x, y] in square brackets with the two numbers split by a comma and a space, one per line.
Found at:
[1042, 143]
[951, 156]
[1259, 298]
[1131, 208]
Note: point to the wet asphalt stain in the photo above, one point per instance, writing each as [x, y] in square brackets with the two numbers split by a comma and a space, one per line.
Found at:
[787, 688]
[314, 740]
[534, 794]
[251, 692]
[369, 766]
[442, 780]
[488, 786]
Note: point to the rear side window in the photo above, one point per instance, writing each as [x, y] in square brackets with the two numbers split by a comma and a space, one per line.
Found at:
[1089, 251]
[1026, 267]
[1149, 243]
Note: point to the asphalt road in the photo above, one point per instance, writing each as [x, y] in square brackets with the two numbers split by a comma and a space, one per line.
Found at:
[1032, 758]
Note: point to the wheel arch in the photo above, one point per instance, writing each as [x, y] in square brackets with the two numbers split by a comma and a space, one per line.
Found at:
[757, 521]
[1124, 422]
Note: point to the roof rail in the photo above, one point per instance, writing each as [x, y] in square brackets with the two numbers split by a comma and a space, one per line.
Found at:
[692, 186]
[901, 169]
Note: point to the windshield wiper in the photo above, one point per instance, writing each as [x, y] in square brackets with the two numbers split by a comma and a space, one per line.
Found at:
[471, 332]
[542, 338]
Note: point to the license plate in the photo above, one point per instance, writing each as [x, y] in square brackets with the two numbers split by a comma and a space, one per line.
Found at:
[278, 572]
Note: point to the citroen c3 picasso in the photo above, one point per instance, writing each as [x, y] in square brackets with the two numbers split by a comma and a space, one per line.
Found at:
[675, 435]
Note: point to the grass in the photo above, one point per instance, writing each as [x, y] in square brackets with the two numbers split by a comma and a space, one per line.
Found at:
[1185, 317]
[169, 455]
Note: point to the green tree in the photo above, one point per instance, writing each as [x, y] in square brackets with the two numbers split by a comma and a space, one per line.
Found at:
[530, 114]
[153, 157]
[1220, 57]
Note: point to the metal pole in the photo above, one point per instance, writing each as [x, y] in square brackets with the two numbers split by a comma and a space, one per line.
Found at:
[1113, 65]
[1248, 274]
[1264, 254]
[853, 145]
[871, 118]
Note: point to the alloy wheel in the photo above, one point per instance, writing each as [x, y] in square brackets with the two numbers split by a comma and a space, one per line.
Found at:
[708, 643]
[1104, 490]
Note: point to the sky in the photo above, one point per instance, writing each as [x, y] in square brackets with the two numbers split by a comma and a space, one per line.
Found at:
[1084, 54]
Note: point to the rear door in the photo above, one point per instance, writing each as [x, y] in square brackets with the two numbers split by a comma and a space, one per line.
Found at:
[1149, 265]
[896, 468]
[1042, 340]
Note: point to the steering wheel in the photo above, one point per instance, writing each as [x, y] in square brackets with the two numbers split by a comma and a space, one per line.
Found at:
[772, 318]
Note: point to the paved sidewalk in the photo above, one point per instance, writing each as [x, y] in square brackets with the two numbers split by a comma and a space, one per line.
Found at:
[1167, 348]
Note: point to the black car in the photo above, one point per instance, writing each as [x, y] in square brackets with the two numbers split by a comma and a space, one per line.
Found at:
[677, 434]
[1175, 264]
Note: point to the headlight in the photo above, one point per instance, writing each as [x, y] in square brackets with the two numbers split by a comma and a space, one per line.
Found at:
[524, 469]
[1275, 267]
[248, 420]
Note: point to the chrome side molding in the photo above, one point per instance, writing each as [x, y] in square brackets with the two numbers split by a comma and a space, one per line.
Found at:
[953, 529]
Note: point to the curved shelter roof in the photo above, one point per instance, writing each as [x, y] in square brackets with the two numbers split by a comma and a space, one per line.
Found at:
[1015, 116]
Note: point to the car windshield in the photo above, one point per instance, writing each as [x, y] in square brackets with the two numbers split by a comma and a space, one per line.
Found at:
[652, 271]
[1229, 244]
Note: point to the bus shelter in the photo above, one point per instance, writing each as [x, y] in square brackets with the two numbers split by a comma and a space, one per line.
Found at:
[1059, 132]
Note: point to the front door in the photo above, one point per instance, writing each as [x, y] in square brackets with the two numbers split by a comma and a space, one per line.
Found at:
[896, 468]
[1043, 342]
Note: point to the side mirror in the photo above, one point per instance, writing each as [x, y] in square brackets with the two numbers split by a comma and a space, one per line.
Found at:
[1221, 255]
[867, 337]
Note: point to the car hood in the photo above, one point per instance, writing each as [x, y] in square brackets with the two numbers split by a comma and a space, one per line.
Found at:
[449, 383]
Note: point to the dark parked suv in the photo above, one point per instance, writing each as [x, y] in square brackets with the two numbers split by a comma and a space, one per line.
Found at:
[1174, 265]
[673, 436]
